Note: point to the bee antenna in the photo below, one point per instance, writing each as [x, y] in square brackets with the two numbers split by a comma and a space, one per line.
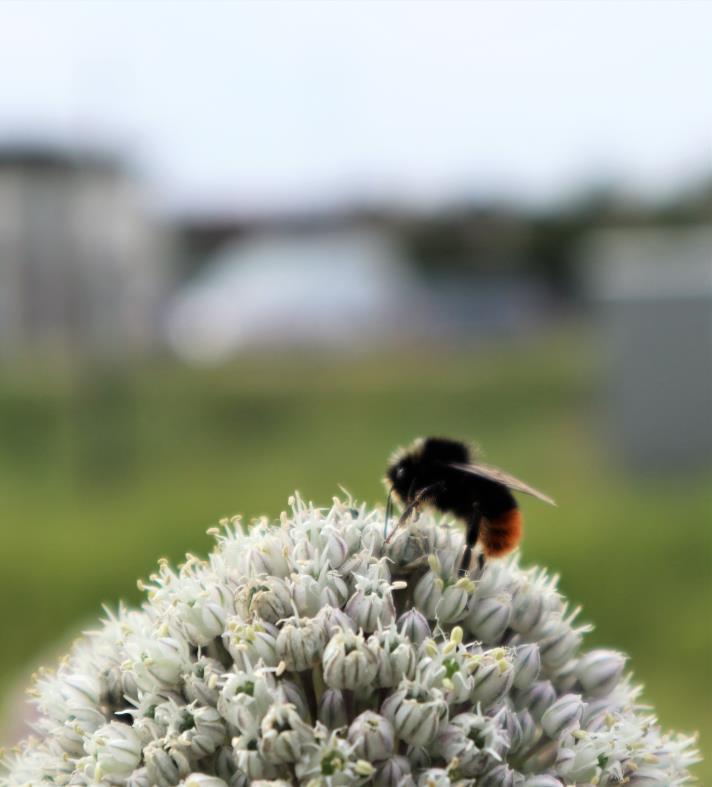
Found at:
[389, 511]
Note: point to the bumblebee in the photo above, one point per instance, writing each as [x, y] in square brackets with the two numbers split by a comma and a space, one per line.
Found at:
[447, 475]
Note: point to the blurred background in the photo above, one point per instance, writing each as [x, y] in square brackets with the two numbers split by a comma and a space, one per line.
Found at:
[247, 248]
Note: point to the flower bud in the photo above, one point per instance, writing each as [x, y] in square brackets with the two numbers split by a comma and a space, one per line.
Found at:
[250, 761]
[396, 658]
[434, 777]
[414, 625]
[246, 697]
[409, 545]
[203, 780]
[349, 661]
[528, 611]
[371, 736]
[334, 619]
[306, 593]
[523, 733]
[330, 760]
[295, 694]
[116, 749]
[439, 597]
[205, 733]
[489, 617]
[595, 714]
[270, 783]
[266, 555]
[559, 646]
[224, 763]
[266, 598]
[599, 671]
[334, 590]
[139, 778]
[202, 620]
[513, 728]
[332, 709]
[143, 718]
[474, 741]
[449, 668]
[527, 664]
[158, 663]
[452, 607]
[537, 699]
[416, 713]
[284, 734]
[372, 604]
[493, 677]
[80, 691]
[428, 593]
[70, 738]
[419, 757]
[251, 642]
[543, 780]
[300, 643]
[394, 771]
[578, 763]
[563, 716]
[336, 548]
[500, 776]
[166, 765]
[201, 682]
[565, 679]
[648, 776]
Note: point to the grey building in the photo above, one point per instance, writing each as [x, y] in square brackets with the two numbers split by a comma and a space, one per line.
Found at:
[653, 289]
[82, 263]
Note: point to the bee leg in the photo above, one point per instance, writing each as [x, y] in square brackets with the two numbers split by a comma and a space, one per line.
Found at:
[412, 506]
[473, 534]
[389, 511]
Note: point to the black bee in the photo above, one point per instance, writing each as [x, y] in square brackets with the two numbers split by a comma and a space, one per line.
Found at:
[442, 473]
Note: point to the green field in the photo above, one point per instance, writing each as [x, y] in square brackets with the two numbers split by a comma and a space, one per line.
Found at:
[102, 472]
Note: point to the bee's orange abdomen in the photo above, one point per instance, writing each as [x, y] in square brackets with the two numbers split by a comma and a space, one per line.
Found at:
[502, 534]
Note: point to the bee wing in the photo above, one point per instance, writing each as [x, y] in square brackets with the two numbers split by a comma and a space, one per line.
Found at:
[495, 474]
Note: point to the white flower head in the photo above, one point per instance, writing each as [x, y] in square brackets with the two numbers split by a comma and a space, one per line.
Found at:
[310, 651]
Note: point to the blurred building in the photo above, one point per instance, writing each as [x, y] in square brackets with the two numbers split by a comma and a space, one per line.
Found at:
[81, 261]
[316, 288]
[654, 293]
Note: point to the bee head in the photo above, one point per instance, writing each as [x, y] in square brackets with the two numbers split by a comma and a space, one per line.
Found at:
[401, 474]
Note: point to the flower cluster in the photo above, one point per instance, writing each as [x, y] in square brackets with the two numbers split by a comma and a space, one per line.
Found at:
[311, 651]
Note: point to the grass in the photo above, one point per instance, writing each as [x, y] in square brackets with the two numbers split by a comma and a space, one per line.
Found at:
[103, 471]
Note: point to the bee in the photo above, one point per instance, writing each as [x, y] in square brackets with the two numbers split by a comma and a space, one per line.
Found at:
[447, 475]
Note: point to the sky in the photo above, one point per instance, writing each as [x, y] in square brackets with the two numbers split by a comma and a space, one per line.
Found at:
[263, 105]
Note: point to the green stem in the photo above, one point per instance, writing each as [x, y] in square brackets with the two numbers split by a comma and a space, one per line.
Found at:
[318, 681]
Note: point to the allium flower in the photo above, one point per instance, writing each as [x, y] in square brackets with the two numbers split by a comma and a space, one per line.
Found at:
[310, 651]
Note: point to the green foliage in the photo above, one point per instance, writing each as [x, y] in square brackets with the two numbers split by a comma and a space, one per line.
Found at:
[103, 472]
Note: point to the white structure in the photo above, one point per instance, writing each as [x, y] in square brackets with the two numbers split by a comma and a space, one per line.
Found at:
[80, 260]
[319, 288]
[654, 293]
